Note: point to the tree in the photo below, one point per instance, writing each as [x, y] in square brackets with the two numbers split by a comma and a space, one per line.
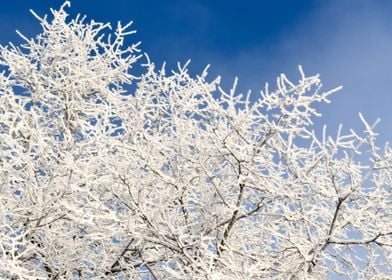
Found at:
[105, 174]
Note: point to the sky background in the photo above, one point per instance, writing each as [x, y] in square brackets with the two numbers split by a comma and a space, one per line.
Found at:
[347, 42]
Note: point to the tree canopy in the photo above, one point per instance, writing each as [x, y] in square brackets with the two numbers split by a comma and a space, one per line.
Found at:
[109, 172]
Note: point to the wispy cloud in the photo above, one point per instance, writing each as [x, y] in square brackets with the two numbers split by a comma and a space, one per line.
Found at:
[348, 43]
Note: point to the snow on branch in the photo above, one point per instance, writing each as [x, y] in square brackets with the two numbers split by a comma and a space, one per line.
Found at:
[174, 177]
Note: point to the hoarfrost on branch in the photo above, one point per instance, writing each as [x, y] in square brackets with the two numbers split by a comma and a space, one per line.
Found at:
[105, 173]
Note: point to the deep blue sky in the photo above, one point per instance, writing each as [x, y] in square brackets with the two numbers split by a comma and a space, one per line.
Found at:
[348, 42]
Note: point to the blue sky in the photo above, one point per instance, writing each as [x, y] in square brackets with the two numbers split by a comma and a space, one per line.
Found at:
[348, 42]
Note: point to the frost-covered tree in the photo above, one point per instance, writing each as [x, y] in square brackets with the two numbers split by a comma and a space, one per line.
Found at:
[105, 174]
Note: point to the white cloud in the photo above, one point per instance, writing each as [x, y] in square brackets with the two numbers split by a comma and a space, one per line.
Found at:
[349, 44]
